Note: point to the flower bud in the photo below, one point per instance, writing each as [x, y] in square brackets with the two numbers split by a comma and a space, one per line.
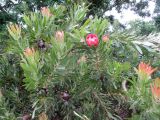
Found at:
[155, 92]
[41, 44]
[105, 38]
[29, 52]
[15, 31]
[59, 36]
[43, 116]
[46, 12]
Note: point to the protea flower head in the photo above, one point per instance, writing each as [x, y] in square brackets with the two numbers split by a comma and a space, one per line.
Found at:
[46, 12]
[92, 40]
[105, 38]
[145, 70]
[29, 52]
[43, 116]
[155, 91]
[14, 30]
[59, 35]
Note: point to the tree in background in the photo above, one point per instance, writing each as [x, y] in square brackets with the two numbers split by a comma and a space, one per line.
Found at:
[9, 10]
[100, 7]
[141, 28]
[157, 8]
[157, 13]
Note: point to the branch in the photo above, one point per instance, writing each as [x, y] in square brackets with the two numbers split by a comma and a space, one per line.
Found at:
[2, 9]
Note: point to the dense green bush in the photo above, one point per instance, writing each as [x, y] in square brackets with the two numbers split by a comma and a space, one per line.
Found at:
[49, 72]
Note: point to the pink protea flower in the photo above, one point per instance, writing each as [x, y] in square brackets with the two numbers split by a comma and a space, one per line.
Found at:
[92, 40]
[46, 12]
[144, 68]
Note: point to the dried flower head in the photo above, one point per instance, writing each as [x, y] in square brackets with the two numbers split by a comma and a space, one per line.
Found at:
[65, 96]
[82, 59]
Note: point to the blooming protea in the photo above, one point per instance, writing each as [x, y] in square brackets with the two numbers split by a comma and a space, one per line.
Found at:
[155, 92]
[92, 40]
[155, 88]
[145, 70]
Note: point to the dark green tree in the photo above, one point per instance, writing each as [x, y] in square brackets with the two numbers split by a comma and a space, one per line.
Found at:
[157, 13]
[142, 28]
[99, 7]
[10, 11]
